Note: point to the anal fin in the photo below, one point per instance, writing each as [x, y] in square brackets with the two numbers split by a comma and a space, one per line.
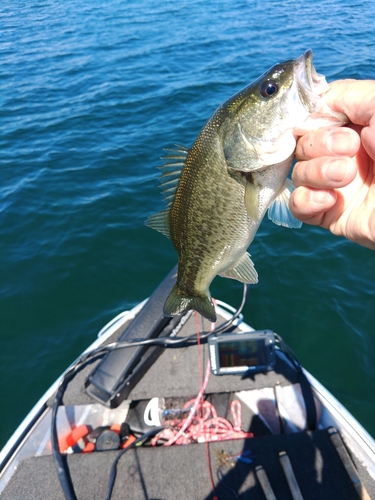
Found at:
[243, 270]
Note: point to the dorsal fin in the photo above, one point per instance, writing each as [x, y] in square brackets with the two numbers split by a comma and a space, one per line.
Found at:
[171, 171]
[160, 222]
[169, 179]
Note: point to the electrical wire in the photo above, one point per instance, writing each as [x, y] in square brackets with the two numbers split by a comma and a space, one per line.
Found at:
[60, 459]
[190, 340]
[290, 354]
[62, 468]
[307, 393]
[137, 442]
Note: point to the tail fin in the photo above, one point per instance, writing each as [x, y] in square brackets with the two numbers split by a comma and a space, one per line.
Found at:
[177, 303]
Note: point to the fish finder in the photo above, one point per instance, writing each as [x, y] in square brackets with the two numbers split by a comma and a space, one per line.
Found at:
[238, 353]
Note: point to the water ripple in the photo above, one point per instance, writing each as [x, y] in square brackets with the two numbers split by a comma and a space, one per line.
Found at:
[91, 93]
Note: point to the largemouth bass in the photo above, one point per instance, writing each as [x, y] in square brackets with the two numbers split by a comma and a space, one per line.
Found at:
[219, 190]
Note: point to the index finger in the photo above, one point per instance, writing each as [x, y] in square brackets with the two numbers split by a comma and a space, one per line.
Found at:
[328, 141]
[355, 98]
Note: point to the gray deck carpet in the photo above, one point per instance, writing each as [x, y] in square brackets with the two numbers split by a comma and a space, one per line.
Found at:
[182, 472]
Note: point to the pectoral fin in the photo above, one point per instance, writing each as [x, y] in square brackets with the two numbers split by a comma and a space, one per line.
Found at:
[243, 270]
[252, 200]
[279, 211]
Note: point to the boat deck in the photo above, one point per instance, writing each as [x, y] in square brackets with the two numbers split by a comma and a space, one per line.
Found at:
[182, 471]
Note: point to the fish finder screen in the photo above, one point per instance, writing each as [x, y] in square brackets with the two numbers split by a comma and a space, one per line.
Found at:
[244, 353]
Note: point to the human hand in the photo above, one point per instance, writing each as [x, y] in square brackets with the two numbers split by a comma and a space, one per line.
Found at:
[335, 174]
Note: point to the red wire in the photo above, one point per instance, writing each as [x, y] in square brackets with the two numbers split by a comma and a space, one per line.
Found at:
[200, 370]
[203, 423]
[215, 497]
[208, 457]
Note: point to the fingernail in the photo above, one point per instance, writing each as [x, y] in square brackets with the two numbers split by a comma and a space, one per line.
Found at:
[339, 143]
[334, 170]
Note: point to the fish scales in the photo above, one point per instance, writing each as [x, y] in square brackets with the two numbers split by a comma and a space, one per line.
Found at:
[235, 171]
[205, 188]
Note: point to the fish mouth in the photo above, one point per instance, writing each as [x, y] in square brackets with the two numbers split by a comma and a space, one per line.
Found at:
[311, 84]
[310, 88]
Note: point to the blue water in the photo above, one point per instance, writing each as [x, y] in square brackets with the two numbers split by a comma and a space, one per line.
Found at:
[91, 93]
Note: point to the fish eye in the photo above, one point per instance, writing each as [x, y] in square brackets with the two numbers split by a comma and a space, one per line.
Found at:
[268, 88]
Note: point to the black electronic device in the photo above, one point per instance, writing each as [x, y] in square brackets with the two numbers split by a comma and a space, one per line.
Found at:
[238, 353]
[114, 377]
